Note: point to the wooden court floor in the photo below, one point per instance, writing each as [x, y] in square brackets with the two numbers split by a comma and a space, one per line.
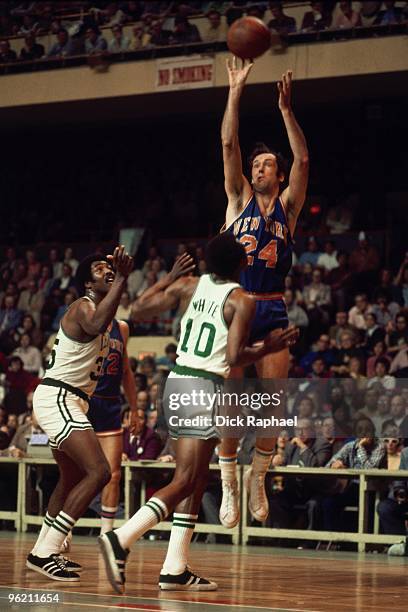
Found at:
[250, 579]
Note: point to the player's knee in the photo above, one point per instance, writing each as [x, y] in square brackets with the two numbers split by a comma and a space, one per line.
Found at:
[115, 477]
[102, 475]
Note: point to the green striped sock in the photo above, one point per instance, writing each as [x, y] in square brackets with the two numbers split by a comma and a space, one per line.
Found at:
[180, 538]
[154, 511]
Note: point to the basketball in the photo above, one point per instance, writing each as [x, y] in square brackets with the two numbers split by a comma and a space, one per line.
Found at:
[248, 38]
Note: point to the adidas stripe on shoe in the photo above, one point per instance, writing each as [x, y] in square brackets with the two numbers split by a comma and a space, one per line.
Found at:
[187, 581]
[53, 567]
[114, 557]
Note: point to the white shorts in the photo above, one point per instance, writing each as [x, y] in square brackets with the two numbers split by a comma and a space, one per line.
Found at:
[59, 412]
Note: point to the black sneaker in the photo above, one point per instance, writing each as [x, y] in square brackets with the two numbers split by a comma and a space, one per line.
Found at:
[187, 581]
[114, 557]
[53, 566]
[71, 565]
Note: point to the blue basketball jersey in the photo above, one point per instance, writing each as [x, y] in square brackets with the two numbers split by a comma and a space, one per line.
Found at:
[112, 370]
[268, 245]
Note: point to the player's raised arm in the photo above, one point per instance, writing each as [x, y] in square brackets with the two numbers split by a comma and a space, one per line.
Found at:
[167, 292]
[237, 187]
[293, 197]
[94, 319]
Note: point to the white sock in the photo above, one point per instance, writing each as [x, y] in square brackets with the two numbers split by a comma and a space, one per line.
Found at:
[48, 521]
[261, 461]
[180, 537]
[228, 465]
[52, 542]
[153, 512]
[107, 518]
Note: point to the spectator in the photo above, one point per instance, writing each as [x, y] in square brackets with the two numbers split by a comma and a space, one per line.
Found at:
[312, 253]
[184, 32]
[382, 367]
[341, 326]
[7, 54]
[397, 413]
[321, 350]
[357, 313]
[32, 300]
[135, 282]
[169, 360]
[124, 308]
[142, 400]
[55, 263]
[29, 327]
[30, 355]
[328, 259]
[390, 16]
[356, 372]
[148, 368]
[10, 318]
[369, 11]
[133, 11]
[296, 314]
[113, 14]
[401, 283]
[45, 281]
[328, 434]
[281, 23]
[385, 311]
[157, 268]
[317, 299]
[31, 50]
[69, 298]
[19, 383]
[393, 510]
[339, 281]
[319, 18]
[370, 408]
[140, 38]
[22, 436]
[33, 265]
[393, 445]
[379, 350]
[364, 262]
[386, 287]
[119, 42]
[158, 36]
[70, 260]
[63, 47]
[347, 18]
[66, 281]
[373, 332]
[304, 450]
[347, 350]
[397, 339]
[94, 42]
[139, 440]
[29, 26]
[319, 369]
[339, 219]
[215, 30]
[399, 365]
[366, 452]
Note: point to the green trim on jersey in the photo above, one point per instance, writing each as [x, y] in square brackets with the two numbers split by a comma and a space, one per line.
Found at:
[195, 372]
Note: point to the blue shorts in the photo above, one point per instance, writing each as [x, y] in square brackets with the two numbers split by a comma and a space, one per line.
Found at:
[105, 414]
[269, 315]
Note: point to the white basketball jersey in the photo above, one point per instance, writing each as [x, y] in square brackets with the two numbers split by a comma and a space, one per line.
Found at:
[203, 338]
[77, 363]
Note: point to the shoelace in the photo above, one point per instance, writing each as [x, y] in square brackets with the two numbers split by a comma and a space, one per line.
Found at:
[60, 561]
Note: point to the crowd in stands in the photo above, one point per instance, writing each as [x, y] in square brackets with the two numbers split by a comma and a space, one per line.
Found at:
[98, 28]
[353, 317]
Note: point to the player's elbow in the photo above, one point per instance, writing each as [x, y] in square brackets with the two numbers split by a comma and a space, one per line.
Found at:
[303, 160]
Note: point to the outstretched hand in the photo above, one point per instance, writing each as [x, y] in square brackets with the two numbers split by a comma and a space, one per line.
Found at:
[182, 266]
[279, 339]
[285, 91]
[121, 261]
[238, 76]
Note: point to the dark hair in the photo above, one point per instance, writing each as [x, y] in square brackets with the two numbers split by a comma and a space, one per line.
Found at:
[261, 147]
[384, 361]
[171, 348]
[224, 255]
[361, 419]
[83, 273]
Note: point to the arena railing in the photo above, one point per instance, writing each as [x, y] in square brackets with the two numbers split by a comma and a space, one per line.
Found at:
[244, 530]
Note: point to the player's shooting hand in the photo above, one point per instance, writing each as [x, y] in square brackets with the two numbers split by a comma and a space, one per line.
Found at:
[238, 76]
[285, 91]
[182, 266]
[121, 261]
[278, 339]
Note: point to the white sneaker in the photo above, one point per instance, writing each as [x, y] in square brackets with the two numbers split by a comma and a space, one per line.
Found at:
[229, 510]
[258, 502]
[398, 550]
[66, 545]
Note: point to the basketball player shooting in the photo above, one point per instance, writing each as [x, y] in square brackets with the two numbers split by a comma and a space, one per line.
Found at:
[263, 218]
